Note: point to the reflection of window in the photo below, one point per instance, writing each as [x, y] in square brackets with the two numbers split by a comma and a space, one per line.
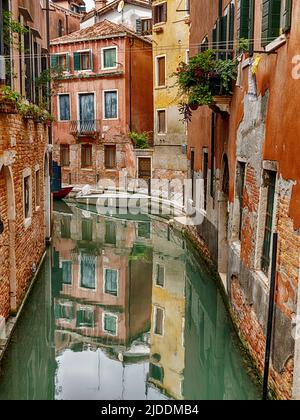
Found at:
[87, 230]
[65, 227]
[110, 324]
[37, 189]
[110, 233]
[156, 373]
[63, 311]
[111, 282]
[67, 272]
[85, 317]
[160, 275]
[88, 271]
[159, 321]
[144, 230]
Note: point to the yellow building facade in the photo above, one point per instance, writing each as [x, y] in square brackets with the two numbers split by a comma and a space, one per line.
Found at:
[170, 47]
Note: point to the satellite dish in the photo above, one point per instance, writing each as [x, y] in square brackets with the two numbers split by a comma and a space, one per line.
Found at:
[121, 6]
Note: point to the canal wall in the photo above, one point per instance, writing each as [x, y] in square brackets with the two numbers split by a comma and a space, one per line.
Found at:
[24, 185]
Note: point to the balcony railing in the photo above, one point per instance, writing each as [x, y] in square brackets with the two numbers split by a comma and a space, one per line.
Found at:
[85, 128]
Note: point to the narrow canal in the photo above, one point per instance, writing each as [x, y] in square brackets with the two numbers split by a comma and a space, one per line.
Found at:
[122, 310]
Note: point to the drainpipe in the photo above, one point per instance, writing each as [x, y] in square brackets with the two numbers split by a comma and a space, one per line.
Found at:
[130, 81]
[2, 59]
[270, 318]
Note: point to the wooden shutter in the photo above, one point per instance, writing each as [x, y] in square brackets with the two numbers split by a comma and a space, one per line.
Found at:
[54, 61]
[161, 71]
[165, 12]
[139, 29]
[77, 61]
[154, 11]
[243, 18]
[270, 21]
[287, 15]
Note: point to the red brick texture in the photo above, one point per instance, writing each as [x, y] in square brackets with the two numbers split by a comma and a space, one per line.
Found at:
[28, 141]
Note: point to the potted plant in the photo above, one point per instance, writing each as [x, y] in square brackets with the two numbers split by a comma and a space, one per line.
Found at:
[48, 118]
[9, 100]
[203, 80]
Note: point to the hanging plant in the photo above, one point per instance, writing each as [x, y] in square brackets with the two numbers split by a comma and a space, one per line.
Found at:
[202, 79]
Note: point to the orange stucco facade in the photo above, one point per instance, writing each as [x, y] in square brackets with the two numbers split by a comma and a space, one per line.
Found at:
[261, 133]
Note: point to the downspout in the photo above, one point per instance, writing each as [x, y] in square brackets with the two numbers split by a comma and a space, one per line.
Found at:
[131, 43]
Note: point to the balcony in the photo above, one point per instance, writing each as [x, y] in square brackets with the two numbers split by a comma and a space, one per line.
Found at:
[86, 128]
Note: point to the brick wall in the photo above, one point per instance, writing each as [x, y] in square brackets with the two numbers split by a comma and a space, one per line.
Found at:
[27, 140]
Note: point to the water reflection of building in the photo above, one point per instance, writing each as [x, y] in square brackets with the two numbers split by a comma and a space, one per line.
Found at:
[105, 266]
[168, 311]
[212, 359]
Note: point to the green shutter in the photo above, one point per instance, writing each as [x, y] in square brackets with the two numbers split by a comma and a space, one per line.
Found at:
[54, 61]
[222, 36]
[231, 27]
[77, 61]
[270, 21]
[68, 62]
[251, 26]
[214, 39]
[243, 16]
[287, 16]
[91, 60]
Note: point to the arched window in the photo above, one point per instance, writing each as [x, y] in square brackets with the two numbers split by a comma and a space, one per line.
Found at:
[60, 28]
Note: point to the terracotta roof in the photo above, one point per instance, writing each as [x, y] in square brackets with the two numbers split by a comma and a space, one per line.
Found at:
[114, 5]
[100, 30]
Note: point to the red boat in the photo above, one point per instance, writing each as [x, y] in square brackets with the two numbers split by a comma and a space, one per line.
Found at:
[62, 193]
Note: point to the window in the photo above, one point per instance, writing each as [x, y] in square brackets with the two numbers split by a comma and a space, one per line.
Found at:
[64, 107]
[64, 155]
[161, 122]
[144, 230]
[88, 271]
[110, 233]
[159, 321]
[63, 311]
[277, 18]
[85, 318]
[146, 26]
[110, 105]
[161, 71]
[110, 324]
[241, 170]
[61, 61]
[87, 230]
[67, 272]
[111, 282]
[27, 196]
[205, 177]
[65, 227]
[160, 13]
[110, 157]
[37, 189]
[83, 60]
[270, 183]
[160, 275]
[109, 58]
[86, 155]
[60, 28]
[156, 372]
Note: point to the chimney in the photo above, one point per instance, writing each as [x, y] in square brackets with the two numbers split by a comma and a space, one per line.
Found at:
[100, 4]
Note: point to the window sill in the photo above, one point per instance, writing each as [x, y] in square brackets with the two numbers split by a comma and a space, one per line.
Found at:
[277, 43]
[111, 170]
[161, 87]
[87, 169]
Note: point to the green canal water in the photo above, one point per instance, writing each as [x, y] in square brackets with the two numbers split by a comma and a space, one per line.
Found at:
[122, 310]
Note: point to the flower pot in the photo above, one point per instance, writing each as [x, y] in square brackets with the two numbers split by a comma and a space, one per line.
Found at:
[8, 107]
[194, 107]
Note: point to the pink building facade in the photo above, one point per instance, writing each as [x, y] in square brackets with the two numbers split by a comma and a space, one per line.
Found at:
[104, 93]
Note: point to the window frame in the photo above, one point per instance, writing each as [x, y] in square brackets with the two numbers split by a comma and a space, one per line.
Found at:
[58, 107]
[90, 146]
[88, 50]
[158, 266]
[157, 58]
[64, 146]
[164, 6]
[110, 146]
[156, 308]
[105, 270]
[103, 107]
[102, 57]
[158, 122]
